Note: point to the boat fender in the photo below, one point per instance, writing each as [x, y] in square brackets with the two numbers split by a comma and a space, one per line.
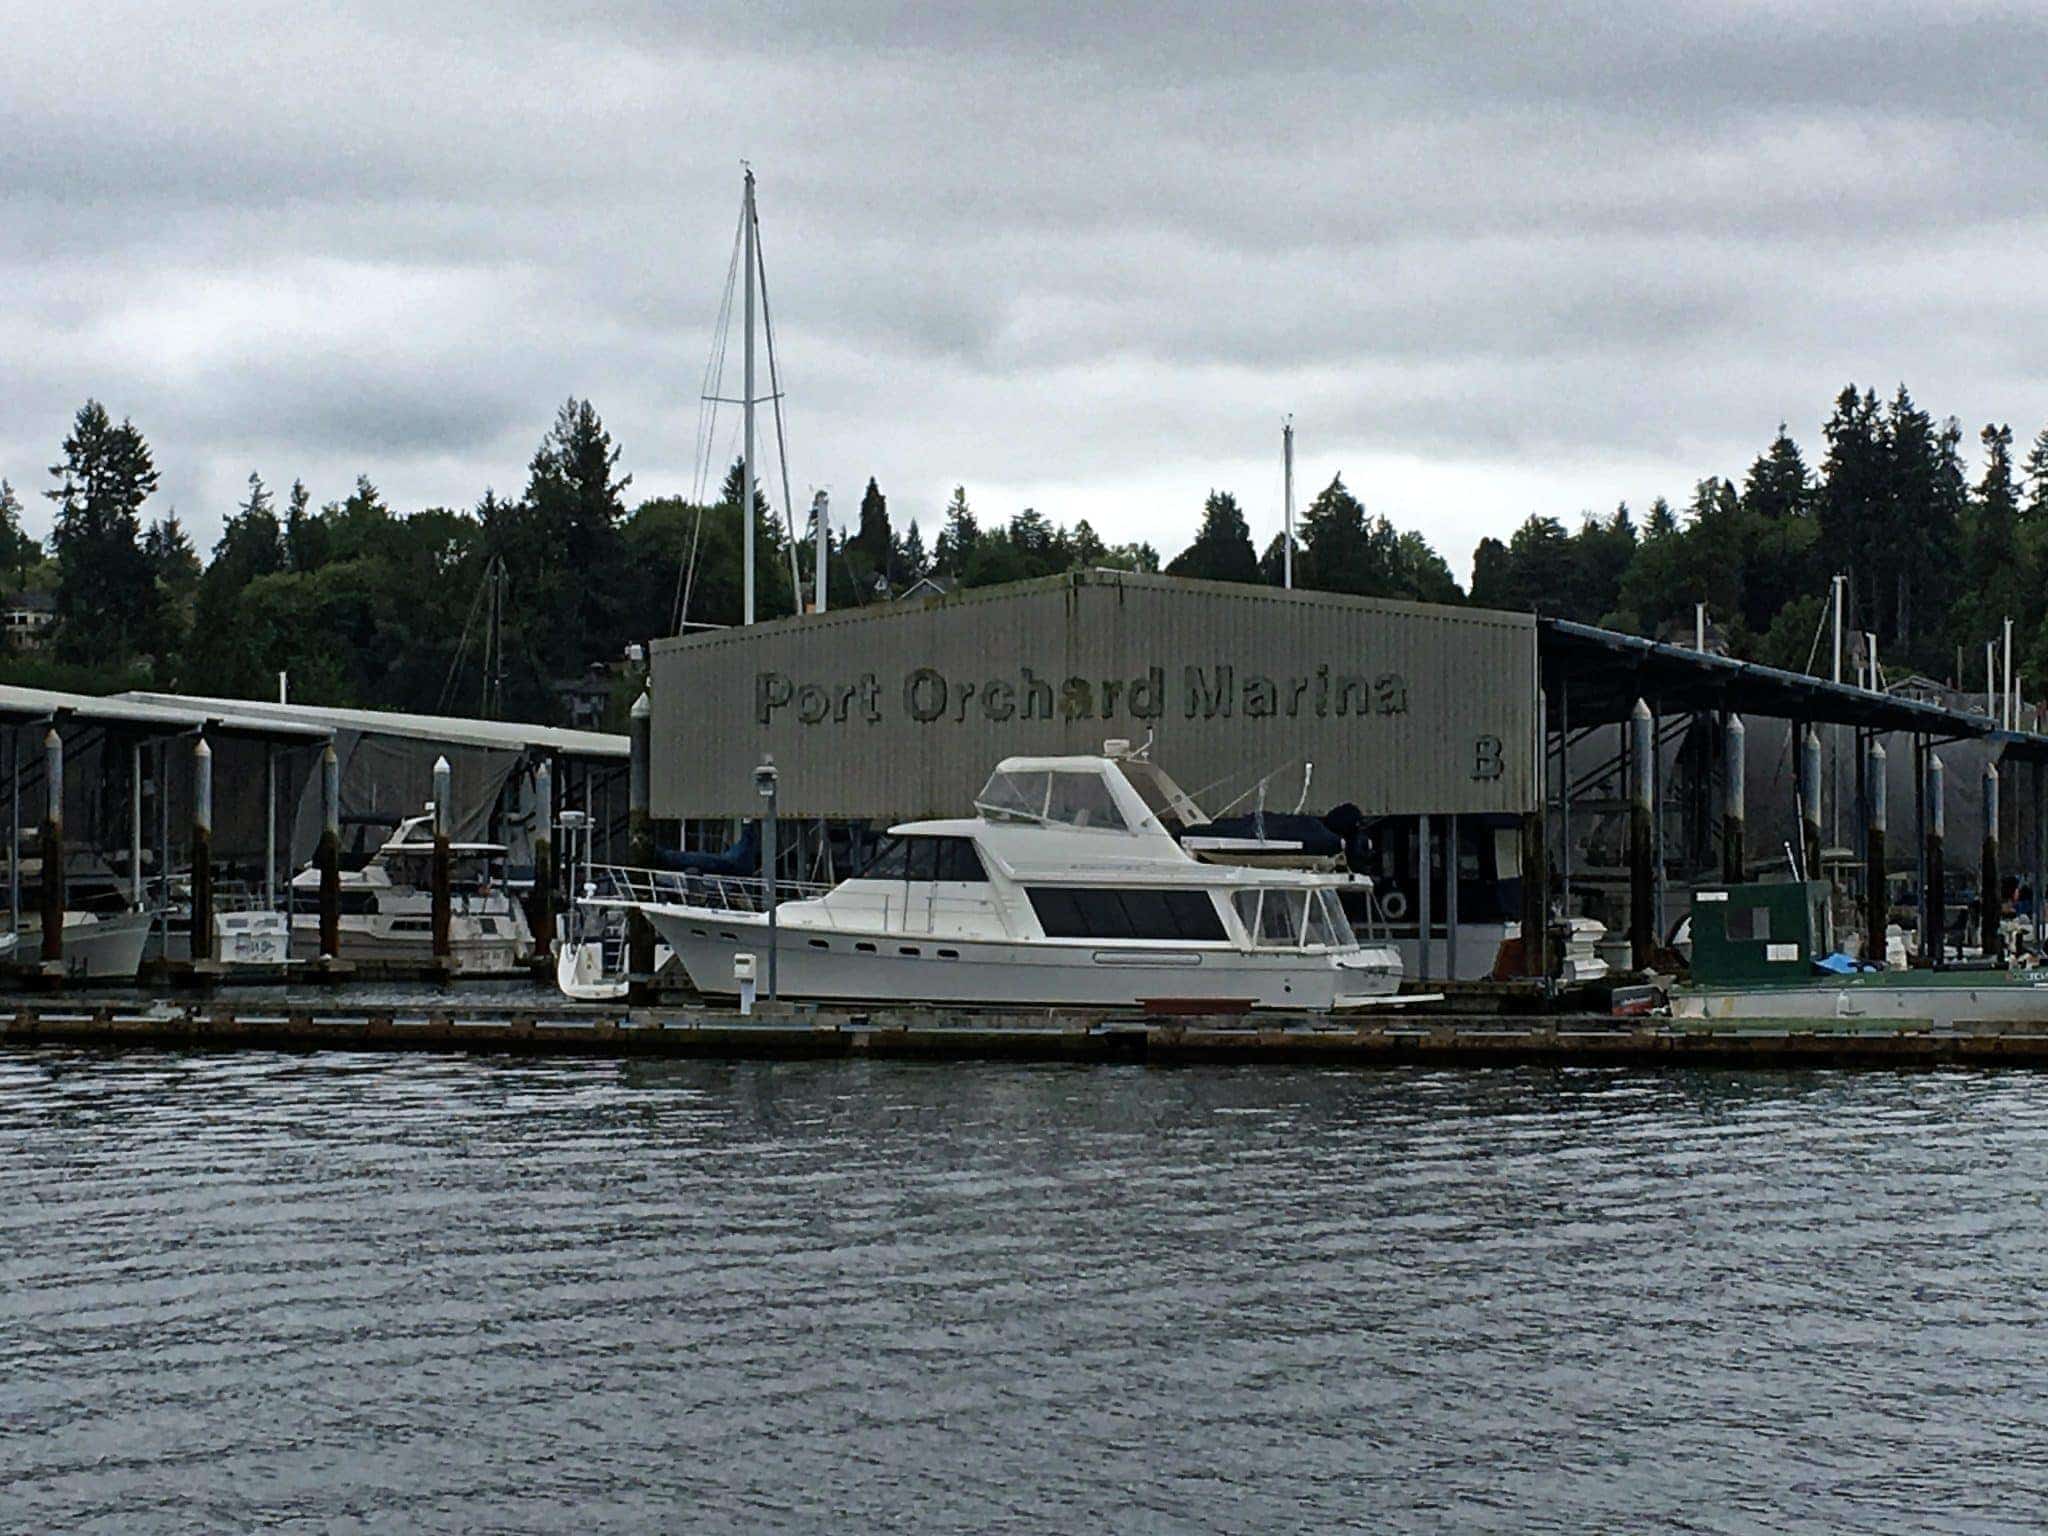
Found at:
[1395, 905]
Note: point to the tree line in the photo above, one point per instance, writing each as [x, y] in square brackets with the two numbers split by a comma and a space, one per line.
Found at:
[360, 604]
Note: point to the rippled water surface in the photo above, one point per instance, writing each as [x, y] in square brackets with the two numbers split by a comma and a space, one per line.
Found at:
[344, 1292]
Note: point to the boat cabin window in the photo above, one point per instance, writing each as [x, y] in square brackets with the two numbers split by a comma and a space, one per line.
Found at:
[1751, 923]
[1291, 919]
[1068, 799]
[925, 858]
[1077, 912]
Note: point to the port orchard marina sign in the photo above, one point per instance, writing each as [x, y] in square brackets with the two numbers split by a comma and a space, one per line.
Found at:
[899, 710]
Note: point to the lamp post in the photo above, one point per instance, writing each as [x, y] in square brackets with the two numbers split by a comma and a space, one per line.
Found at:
[764, 786]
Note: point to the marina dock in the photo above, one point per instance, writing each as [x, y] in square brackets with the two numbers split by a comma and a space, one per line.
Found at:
[1435, 1040]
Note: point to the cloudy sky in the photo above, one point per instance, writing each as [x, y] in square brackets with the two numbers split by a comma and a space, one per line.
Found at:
[1496, 259]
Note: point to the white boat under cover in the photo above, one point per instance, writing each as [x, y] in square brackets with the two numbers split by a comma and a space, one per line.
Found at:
[1068, 887]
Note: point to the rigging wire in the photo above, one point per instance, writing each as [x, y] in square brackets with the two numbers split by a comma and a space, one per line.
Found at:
[707, 428]
[781, 443]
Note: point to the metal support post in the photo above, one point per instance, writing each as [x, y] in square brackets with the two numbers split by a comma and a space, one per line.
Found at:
[441, 876]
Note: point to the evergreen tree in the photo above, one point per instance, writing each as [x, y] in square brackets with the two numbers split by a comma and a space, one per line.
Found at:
[957, 538]
[575, 509]
[1661, 521]
[304, 537]
[175, 573]
[1336, 544]
[1778, 563]
[1222, 550]
[104, 592]
[912, 564]
[1997, 576]
[17, 550]
[2035, 509]
[1085, 547]
[873, 546]
[1855, 494]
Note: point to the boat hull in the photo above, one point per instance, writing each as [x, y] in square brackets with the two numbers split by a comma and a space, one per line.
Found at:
[374, 940]
[844, 965]
[95, 949]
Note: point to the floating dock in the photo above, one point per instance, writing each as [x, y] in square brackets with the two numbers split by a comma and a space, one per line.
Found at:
[1439, 1040]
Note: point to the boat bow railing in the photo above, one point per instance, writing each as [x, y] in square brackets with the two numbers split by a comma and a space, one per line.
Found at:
[622, 884]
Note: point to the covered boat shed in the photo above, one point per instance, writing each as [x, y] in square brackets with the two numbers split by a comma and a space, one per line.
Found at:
[1251, 695]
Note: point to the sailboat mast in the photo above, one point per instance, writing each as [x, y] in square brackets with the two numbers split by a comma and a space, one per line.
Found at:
[1287, 475]
[747, 471]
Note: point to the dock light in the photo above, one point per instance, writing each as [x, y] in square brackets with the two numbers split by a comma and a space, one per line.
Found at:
[764, 786]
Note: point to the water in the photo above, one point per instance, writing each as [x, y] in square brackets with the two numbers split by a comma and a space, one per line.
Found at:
[363, 1293]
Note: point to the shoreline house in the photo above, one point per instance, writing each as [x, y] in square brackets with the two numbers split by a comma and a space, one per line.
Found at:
[28, 617]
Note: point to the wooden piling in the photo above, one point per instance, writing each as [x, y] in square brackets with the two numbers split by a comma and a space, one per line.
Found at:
[640, 797]
[1733, 796]
[328, 857]
[540, 908]
[202, 852]
[1809, 802]
[1642, 929]
[1990, 907]
[52, 844]
[1934, 943]
[1876, 903]
[441, 874]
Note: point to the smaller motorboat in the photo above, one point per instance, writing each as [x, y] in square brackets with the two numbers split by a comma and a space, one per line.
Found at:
[387, 906]
[98, 946]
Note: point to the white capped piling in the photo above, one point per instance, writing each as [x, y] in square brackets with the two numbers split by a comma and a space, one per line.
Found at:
[541, 913]
[202, 851]
[1990, 906]
[1934, 941]
[329, 855]
[1809, 802]
[640, 819]
[1641, 877]
[765, 787]
[52, 843]
[1875, 900]
[1733, 795]
[444, 823]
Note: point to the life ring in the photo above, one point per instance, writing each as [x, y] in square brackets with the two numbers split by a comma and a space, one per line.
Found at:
[1395, 905]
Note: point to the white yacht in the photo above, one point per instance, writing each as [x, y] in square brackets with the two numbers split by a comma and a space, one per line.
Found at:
[1068, 887]
[387, 906]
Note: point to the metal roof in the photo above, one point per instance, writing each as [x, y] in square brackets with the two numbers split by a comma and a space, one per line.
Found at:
[1596, 676]
[503, 735]
[156, 716]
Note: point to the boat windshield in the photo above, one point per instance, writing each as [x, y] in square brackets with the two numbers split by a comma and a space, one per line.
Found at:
[1059, 797]
[1292, 918]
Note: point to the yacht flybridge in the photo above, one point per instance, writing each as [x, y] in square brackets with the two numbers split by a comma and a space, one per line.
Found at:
[1070, 886]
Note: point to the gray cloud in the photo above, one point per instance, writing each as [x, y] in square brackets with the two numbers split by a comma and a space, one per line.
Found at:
[1496, 260]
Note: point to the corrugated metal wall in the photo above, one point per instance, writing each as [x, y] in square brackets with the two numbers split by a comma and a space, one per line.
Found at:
[900, 710]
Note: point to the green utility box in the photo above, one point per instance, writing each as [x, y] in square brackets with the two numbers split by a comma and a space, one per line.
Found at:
[1759, 932]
